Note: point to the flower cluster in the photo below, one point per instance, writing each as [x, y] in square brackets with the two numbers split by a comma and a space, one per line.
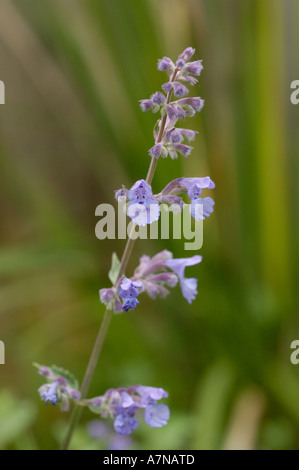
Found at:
[170, 143]
[152, 276]
[122, 405]
[60, 388]
[155, 275]
[185, 68]
[144, 208]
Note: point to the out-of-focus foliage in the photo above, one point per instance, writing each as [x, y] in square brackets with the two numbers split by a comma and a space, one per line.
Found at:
[71, 132]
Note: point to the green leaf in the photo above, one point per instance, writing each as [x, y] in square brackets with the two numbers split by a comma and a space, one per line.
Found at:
[114, 270]
[73, 382]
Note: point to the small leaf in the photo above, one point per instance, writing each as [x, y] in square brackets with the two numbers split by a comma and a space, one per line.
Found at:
[115, 265]
[73, 382]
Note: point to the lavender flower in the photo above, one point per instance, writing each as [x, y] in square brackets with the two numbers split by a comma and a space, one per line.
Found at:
[60, 388]
[180, 64]
[156, 416]
[48, 393]
[106, 295]
[129, 291]
[142, 209]
[165, 64]
[149, 395]
[158, 98]
[124, 424]
[194, 68]
[178, 89]
[185, 150]
[123, 405]
[158, 150]
[122, 192]
[188, 285]
[200, 207]
[154, 281]
[154, 103]
[187, 54]
[190, 105]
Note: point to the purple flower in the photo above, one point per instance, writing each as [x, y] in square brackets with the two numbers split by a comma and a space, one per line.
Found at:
[165, 64]
[153, 281]
[158, 98]
[154, 103]
[130, 304]
[185, 150]
[167, 87]
[187, 54]
[202, 207]
[188, 285]
[196, 185]
[129, 291]
[58, 388]
[187, 78]
[172, 112]
[149, 265]
[106, 295]
[156, 416]
[48, 393]
[129, 288]
[195, 103]
[180, 112]
[140, 191]
[143, 214]
[145, 105]
[142, 208]
[117, 306]
[179, 89]
[125, 424]
[174, 136]
[180, 63]
[45, 371]
[122, 192]
[188, 134]
[74, 394]
[194, 68]
[122, 405]
[158, 150]
[150, 395]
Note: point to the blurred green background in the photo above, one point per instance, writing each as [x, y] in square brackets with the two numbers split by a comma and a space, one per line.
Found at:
[71, 132]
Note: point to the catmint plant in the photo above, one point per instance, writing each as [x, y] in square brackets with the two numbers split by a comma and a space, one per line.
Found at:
[154, 276]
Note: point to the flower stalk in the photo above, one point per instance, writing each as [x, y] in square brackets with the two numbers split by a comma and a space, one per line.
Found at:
[153, 275]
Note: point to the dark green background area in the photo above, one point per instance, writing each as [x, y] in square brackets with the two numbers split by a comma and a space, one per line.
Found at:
[71, 132]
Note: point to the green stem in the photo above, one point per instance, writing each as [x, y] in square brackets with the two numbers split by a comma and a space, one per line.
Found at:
[93, 360]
